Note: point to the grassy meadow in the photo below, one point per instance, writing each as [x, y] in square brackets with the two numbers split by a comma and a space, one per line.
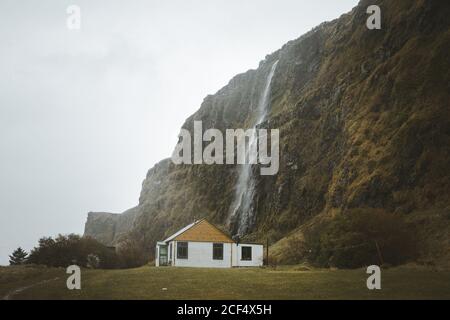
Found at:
[407, 282]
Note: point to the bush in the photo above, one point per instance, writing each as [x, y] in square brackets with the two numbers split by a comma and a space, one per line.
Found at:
[295, 251]
[70, 249]
[93, 261]
[358, 238]
[132, 253]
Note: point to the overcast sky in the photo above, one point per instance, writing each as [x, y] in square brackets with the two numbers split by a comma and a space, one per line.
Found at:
[84, 114]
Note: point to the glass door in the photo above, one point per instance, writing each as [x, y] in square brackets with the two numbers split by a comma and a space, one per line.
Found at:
[163, 255]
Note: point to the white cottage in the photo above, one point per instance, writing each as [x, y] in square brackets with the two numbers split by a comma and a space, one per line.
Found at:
[201, 244]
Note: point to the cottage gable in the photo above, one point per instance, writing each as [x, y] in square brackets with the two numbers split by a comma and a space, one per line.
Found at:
[203, 231]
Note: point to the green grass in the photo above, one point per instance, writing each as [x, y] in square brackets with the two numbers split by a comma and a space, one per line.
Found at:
[12, 278]
[406, 282]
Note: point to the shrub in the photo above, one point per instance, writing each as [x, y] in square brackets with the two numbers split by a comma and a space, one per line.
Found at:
[93, 261]
[132, 253]
[358, 238]
[70, 249]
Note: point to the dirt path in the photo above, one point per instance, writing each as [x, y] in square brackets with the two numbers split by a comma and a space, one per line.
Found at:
[12, 293]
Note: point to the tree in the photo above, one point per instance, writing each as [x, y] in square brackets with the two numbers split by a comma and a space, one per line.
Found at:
[65, 250]
[18, 257]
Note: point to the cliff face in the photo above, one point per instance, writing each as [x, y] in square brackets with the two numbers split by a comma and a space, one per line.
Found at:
[110, 228]
[364, 123]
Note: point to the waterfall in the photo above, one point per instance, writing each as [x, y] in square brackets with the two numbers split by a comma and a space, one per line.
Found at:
[242, 212]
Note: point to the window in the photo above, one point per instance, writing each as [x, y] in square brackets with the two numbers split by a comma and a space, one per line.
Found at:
[217, 251]
[182, 250]
[246, 253]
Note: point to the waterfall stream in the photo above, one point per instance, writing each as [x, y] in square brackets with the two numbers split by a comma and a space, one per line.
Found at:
[242, 213]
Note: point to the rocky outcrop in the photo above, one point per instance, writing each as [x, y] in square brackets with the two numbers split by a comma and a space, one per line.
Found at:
[109, 228]
[363, 118]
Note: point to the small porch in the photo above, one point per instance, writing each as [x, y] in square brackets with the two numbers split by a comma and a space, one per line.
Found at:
[161, 256]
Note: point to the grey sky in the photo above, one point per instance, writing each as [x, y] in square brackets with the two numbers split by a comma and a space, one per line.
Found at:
[84, 114]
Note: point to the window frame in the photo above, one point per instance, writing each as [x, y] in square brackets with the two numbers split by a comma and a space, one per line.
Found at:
[242, 253]
[216, 246]
[180, 245]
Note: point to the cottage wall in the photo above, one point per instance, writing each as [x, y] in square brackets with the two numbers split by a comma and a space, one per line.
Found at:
[257, 255]
[200, 254]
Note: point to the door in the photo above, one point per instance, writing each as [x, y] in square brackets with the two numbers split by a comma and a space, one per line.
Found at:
[163, 255]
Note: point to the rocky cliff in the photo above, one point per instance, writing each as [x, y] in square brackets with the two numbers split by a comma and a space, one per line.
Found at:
[110, 228]
[364, 123]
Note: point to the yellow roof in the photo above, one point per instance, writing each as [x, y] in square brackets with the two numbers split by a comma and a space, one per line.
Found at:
[203, 231]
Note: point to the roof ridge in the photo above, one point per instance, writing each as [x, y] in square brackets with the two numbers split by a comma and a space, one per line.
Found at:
[195, 223]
